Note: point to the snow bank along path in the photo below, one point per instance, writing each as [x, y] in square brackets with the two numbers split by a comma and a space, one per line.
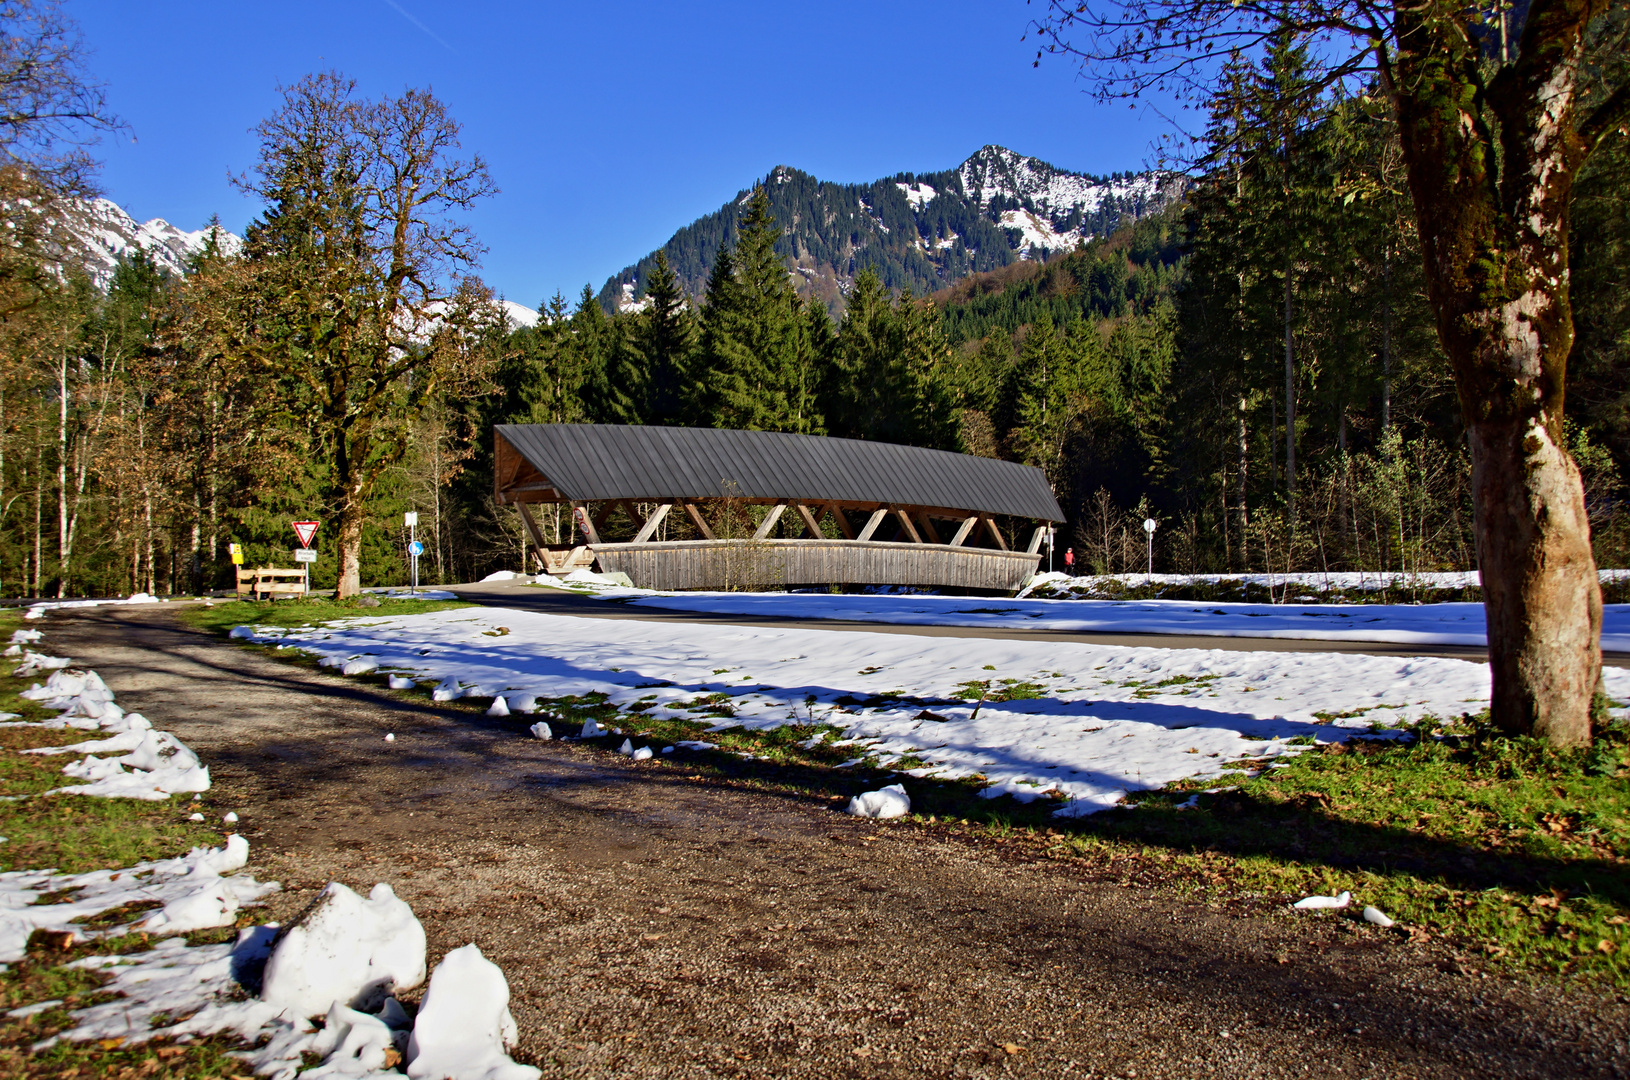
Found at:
[1087, 725]
[1395, 624]
[344, 959]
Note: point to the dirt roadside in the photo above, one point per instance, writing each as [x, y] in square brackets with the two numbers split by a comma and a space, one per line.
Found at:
[655, 926]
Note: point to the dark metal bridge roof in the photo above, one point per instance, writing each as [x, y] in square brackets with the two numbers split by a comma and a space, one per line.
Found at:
[614, 461]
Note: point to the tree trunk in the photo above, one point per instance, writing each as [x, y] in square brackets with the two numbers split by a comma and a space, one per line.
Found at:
[1493, 214]
[350, 549]
[1244, 474]
[1290, 404]
[62, 476]
[1386, 342]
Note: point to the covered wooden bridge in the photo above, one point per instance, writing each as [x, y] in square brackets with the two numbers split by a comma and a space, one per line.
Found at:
[702, 508]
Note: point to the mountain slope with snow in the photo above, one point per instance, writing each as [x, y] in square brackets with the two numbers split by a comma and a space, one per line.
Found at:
[921, 231]
[108, 234]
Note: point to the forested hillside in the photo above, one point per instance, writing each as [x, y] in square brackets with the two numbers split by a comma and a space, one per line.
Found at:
[917, 231]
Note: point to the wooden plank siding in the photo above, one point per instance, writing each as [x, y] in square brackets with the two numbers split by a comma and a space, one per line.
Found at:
[771, 564]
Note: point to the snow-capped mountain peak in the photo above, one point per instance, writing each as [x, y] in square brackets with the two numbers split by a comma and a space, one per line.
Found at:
[109, 234]
[996, 170]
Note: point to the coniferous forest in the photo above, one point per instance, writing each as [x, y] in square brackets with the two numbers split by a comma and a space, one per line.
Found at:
[1255, 366]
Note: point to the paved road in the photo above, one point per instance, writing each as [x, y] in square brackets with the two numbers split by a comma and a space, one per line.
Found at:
[655, 924]
[563, 602]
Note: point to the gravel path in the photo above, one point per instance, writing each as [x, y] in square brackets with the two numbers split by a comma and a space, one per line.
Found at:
[654, 925]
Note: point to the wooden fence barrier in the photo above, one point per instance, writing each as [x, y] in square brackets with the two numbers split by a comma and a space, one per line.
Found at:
[266, 582]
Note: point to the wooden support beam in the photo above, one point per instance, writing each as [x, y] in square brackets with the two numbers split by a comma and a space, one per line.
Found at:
[695, 516]
[843, 522]
[907, 526]
[604, 515]
[580, 511]
[1036, 539]
[932, 533]
[811, 522]
[531, 527]
[538, 546]
[769, 521]
[995, 533]
[873, 522]
[649, 529]
[964, 529]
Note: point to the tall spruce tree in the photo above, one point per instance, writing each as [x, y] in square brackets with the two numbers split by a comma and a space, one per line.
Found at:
[747, 364]
[666, 339]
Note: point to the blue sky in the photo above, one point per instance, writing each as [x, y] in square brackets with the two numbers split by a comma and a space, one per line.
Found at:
[606, 128]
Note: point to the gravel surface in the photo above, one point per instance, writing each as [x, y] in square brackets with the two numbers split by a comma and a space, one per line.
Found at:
[654, 924]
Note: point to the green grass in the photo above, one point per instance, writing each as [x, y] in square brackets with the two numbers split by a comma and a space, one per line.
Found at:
[73, 834]
[45, 976]
[222, 616]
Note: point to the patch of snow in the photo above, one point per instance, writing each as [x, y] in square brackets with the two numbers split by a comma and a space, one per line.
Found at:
[918, 195]
[889, 802]
[34, 662]
[160, 764]
[346, 949]
[1037, 233]
[616, 579]
[540, 730]
[195, 890]
[1320, 903]
[36, 610]
[505, 575]
[464, 1026]
[519, 315]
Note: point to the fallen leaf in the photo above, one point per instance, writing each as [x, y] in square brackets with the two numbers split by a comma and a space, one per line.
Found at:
[1013, 1048]
[111, 1044]
[1606, 946]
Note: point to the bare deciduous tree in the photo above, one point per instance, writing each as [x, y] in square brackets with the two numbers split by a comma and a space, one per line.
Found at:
[363, 307]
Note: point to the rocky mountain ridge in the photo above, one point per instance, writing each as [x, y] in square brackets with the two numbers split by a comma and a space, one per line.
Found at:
[922, 231]
[107, 234]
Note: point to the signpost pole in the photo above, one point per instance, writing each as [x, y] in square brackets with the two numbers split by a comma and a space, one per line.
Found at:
[411, 520]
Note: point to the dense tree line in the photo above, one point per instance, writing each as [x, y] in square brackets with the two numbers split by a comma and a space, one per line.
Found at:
[1255, 367]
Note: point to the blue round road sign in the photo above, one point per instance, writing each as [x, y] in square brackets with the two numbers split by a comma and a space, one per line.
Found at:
[415, 549]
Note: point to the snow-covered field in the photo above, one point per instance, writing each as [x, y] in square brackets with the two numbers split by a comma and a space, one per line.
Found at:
[1333, 581]
[1086, 725]
[1396, 624]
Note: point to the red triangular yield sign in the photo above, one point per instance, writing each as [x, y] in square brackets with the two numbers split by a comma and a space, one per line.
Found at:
[305, 530]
